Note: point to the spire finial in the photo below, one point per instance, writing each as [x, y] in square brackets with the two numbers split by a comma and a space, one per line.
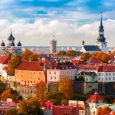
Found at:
[101, 24]
[11, 30]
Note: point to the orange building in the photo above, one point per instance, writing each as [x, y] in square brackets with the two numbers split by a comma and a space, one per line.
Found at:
[30, 73]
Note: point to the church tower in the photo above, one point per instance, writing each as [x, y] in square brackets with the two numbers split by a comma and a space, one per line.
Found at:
[101, 40]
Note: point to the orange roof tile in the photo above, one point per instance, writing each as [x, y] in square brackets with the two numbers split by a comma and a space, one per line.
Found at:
[4, 59]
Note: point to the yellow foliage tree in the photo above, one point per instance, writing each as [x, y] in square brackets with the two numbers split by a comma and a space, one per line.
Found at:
[41, 90]
[66, 87]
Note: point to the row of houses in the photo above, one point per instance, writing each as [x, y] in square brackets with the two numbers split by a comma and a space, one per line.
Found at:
[88, 76]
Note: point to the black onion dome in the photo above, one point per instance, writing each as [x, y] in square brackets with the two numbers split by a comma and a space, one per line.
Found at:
[2, 44]
[12, 44]
[19, 44]
[11, 37]
[101, 38]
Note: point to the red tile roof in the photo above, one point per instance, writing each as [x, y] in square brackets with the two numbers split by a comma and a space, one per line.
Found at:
[4, 59]
[96, 98]
[32, 66]
[88, 67]
[107, 68]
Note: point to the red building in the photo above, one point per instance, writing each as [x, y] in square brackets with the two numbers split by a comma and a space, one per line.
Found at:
[65, 110]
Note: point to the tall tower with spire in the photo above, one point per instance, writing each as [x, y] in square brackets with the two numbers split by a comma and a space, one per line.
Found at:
[101, 40]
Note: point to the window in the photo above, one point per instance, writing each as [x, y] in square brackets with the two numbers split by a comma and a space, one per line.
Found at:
[109, 74]
[51, 77]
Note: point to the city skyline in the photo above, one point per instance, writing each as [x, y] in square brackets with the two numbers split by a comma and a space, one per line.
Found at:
[35, 22]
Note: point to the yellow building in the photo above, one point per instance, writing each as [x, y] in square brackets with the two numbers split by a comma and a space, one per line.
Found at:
[30, 73]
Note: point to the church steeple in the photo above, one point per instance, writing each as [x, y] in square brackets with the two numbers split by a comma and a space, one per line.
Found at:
[101, 29]
[101, 40]
[101, 37]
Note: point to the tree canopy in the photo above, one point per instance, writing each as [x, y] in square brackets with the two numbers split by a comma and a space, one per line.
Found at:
[66, 87]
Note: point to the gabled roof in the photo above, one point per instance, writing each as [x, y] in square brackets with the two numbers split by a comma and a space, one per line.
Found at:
[32, 66]
[95, 98]
[91, 48]
[4, 59]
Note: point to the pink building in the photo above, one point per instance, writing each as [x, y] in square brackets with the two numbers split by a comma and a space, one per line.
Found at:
[59, 69]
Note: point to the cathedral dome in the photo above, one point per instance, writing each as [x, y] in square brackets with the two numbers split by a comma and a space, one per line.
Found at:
[19, 44]
[11, 37]
[2, 44]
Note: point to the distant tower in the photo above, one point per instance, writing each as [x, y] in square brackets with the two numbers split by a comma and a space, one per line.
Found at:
[101, 40]
[53, 46]
[11, 40]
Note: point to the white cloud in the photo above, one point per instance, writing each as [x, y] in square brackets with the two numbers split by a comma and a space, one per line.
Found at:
[40, 33]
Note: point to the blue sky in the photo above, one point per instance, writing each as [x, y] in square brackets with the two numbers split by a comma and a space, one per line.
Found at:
[74, 14]
[32, 9]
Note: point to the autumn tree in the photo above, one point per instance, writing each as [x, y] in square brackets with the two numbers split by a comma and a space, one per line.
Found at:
[30, 107]
[62, 53]
[106, 110]
[11, 112]
[66, 87]
[71, 53]
[29, 56]
[85, 56]
[103, 111]
[102, 56]
[13, 64]
[2, 86]
[10, 93]
[105, 58]
[41, 90]
[99, 111]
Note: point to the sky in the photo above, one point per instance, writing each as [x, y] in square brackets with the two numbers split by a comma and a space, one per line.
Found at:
[37, 22]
